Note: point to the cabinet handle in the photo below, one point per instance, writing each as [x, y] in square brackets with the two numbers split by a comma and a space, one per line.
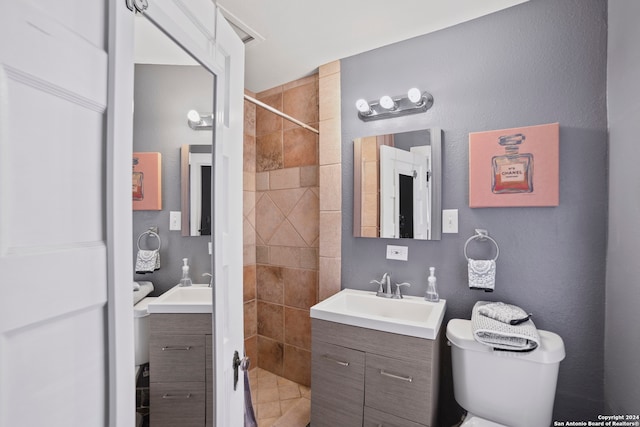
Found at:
[179, 396]
[339, 362]
[173, 348]
[398, 377]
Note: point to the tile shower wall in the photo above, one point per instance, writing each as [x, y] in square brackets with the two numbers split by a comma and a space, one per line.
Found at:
[249, 234]
[285, 228]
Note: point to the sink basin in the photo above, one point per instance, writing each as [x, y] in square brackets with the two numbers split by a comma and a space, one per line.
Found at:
[412, 316]
[190, 299]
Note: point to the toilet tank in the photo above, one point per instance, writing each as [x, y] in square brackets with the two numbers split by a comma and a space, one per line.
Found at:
[141, 330]
[510, 388]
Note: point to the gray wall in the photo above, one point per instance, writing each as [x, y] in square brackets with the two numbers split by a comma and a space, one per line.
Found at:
[540, 62]
[622, 340]
[163, 96]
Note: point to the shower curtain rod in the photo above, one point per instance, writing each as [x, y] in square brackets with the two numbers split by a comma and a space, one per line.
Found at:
[280, 113]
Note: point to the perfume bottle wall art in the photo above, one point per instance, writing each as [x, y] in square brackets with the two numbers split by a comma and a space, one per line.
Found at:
[512, 171]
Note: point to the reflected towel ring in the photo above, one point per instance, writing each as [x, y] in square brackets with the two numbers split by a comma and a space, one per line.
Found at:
[152, 233]
[481, 235]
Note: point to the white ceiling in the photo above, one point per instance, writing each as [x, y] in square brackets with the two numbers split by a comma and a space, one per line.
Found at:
[300, 35]
[294, 37]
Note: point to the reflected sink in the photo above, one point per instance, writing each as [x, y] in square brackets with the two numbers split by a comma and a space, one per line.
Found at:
[412, 316]
[190, 299]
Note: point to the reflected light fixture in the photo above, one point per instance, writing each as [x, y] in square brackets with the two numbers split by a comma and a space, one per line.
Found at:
[200, 121]
[387, 106]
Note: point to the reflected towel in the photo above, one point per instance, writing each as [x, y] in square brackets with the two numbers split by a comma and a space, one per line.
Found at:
[147, 261]
[503, 336]
[482, 274]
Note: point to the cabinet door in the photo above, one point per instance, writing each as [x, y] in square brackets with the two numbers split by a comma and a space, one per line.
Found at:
[337, 385]
[176, 358]
[177, 404]
[374, 418]
[210, 410]
[399, 387]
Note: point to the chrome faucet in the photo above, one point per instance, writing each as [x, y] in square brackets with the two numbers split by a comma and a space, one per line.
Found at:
[210, 278]
[383, 283]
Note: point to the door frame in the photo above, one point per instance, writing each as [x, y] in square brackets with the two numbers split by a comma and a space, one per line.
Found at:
[215, 50]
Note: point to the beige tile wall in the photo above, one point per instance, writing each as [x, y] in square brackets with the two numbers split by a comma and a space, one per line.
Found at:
[292, 219]
[249, 234]
[330, 181]
[286, 229]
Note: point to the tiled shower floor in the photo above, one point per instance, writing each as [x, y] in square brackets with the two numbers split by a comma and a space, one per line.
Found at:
[278, 402]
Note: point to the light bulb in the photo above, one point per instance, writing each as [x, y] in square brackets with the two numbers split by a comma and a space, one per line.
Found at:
[414, 95]
[363, 106]
[387, 103]
[193, 116]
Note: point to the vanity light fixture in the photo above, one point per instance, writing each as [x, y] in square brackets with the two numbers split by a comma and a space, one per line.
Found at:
[386, 107]
[200, 121]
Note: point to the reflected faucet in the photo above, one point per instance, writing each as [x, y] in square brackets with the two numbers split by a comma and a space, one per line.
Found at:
[210, 278]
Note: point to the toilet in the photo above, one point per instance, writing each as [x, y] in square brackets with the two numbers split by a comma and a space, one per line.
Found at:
[141, 331]
[504, 388]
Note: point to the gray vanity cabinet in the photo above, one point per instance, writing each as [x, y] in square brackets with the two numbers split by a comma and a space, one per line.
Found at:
[363, 377]
[180, 376]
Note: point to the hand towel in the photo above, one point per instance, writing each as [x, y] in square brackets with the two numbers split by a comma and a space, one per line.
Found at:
[147, 261]
[482, 274]
[503, 336]
[505, 313]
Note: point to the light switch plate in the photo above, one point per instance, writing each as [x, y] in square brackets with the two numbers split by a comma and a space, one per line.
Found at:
[450, 220]
[400, 253]
[175, 220]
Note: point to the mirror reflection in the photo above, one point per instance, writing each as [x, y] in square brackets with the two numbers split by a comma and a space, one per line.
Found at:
[195, 183]
[397, 185]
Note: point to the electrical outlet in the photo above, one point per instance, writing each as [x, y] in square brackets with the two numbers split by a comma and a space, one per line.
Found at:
[400, 253]
[450, 221]
[175, 220]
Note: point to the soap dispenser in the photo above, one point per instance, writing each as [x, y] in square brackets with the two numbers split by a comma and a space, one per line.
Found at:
[432, 288]
[186, 279]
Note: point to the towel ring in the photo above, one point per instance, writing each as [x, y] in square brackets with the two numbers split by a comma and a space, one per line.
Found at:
[481, 235]
[152, 233]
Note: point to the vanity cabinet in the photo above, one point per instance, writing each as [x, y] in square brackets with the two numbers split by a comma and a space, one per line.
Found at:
[364, 377]
[180, 370]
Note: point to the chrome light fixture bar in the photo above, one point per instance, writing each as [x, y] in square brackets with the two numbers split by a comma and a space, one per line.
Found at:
[200, 121]
[397, 106]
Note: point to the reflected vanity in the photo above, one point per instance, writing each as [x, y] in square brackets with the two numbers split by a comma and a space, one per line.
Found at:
[195, 189]
[397, 185]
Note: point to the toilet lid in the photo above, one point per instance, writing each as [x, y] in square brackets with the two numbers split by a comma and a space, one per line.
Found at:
[140, 309]
[551, 349]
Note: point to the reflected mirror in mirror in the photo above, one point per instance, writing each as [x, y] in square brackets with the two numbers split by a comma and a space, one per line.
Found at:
[397, 185]
[195, 184]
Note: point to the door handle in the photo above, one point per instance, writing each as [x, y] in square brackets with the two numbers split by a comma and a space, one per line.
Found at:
[239, 363]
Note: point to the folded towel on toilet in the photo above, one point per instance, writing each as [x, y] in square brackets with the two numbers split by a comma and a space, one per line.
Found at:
[144, 289]
[505, 313]
[482, 274]
[503, 336]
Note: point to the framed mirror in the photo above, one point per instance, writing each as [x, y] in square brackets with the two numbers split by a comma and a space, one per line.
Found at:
[397, 185]
[195, 189]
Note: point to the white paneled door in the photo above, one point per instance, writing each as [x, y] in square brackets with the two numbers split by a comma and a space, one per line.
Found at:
[53, 251]
[66, 350]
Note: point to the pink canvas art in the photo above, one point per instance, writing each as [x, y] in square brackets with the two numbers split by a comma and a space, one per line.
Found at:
[146, 185]
[514, 167]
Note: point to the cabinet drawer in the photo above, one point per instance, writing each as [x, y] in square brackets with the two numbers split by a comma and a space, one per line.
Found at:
[210, 410]
[177, 358]
[374, 418]
[399, 387]
[177, 404]
[337, 385]
[180, 323]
